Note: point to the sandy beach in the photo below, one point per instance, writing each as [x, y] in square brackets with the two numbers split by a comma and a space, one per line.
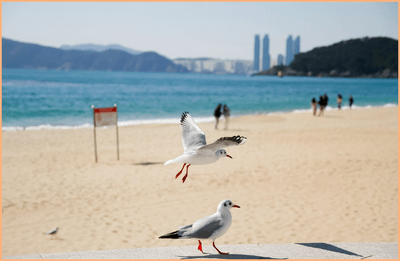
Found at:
[298, 179]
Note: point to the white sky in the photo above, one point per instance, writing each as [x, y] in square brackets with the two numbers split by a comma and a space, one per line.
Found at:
[197, 29]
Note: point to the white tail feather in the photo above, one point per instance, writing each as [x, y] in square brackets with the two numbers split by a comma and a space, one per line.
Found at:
[180, 159]
[168, 162]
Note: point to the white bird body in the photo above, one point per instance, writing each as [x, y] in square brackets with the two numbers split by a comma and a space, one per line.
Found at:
[197, 157]
[196, 150]
[222, 221]
[53, 231]
[210, 227]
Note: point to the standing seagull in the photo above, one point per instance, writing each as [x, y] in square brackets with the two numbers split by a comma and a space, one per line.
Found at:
[210, 227]
[196, 151]
[52, 232]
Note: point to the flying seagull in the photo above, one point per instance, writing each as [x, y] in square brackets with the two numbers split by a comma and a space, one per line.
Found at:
[196, 150]
[210, 227]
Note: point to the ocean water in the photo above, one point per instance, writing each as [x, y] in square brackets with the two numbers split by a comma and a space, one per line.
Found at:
[37, 99]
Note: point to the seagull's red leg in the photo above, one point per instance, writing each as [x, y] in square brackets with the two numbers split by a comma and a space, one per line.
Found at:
[179, 173]
[200, 248]
[184, 177]
[221, 253]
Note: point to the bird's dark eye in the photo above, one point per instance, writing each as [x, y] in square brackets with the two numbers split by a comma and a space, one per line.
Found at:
[224, 204]
[230, 203]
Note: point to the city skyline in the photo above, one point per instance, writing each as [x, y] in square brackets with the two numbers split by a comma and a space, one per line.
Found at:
[265, 54]
[296, 47]
[256, 59]
[280, 59]
[220, 30]
[289, 50]
[292, 48]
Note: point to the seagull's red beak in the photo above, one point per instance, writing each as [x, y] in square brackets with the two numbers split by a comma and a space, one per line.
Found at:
[229, 156]
[235, 206]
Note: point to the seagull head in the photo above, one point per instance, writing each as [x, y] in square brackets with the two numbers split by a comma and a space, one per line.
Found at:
[222, 153]
[226, 204]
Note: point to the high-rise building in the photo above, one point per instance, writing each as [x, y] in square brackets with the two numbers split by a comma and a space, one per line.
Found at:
[297, 45]
[289, 50]
[265, 55]
[280, 59]
[257, 53]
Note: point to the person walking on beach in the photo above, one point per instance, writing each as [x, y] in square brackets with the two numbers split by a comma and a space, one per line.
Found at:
[314, 104]
[339, 101]
[351, 100]
[227, 114]
[217, 114]
[326, 99]
[322, 104]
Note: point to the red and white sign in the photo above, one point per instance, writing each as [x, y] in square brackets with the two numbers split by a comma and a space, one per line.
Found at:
[105, 116]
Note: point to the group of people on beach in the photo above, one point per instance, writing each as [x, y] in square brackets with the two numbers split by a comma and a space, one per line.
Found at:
[323, 102]
[217, 114]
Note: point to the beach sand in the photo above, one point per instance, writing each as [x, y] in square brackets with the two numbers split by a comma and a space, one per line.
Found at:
[298, 179]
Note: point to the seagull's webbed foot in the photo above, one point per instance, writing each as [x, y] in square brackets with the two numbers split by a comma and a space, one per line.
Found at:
[184, 177]
[179, 173]
[221, 253]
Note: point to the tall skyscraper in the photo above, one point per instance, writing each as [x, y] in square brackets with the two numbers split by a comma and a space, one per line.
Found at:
[280, 59]
[297, 45]
[266, 58]
[289, 50]
[257, 53]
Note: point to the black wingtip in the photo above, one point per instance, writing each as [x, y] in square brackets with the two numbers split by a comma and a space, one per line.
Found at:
[171, 235]
[184, 115]
[237, 139]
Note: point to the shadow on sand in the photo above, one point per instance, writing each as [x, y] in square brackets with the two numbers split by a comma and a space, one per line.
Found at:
[147, 163]
[329, 247]
[230, 256]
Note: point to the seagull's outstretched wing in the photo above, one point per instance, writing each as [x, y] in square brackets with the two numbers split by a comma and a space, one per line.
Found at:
[192, 136]
[225, 142]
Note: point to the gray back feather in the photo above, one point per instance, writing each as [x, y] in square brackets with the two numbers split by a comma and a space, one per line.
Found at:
[204, 228]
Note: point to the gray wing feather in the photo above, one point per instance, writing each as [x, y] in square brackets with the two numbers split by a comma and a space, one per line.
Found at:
[192, 136]
[205, 227]
[225, 142]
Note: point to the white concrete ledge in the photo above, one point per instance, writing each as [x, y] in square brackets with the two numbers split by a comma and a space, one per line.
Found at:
[267, 251]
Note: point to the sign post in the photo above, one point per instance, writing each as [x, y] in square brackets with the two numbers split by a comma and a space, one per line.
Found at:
[105, 117]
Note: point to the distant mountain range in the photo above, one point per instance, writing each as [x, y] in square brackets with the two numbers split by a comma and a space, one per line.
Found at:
[99, 48]
[375, 57]
[32, 56]
[357, 57]
[366, 57]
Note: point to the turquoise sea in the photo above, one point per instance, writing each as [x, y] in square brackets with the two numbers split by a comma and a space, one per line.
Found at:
[37, 99]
